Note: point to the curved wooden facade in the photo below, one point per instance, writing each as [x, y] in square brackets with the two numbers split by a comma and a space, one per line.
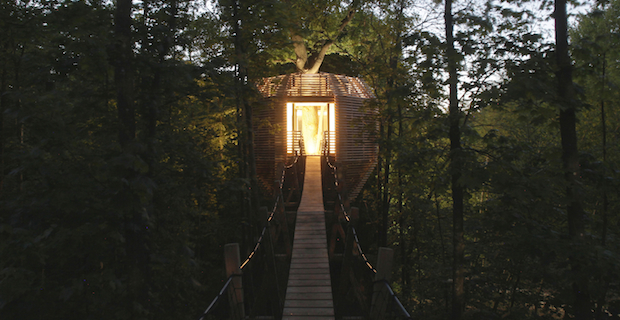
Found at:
[325, 104]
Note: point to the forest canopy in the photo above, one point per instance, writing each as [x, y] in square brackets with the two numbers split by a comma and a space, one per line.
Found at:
[127, 155]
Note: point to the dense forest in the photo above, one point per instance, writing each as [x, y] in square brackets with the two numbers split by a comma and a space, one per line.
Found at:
[126, 155]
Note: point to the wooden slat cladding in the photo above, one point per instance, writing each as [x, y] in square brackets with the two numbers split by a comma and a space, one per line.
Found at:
[309, 85]
[270, 137]
[356, 143]
[314, 85]
[350, 86]
[264, 145]
[356, 146]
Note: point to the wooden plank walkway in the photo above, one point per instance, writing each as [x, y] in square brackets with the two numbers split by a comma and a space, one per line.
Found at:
[309, 291]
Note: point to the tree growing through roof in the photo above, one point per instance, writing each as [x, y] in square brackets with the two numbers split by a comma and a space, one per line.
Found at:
[314, 27]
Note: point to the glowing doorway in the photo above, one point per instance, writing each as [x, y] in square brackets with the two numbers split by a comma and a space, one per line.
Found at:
[311, 120]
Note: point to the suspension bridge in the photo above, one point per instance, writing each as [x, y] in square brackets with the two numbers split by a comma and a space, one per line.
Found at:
[308, 263]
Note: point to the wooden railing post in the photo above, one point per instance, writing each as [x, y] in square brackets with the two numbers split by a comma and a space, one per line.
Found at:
[300, 167]
[343, 188]
[263, 215]
[297, 184]
[380, 296]
[235, 291]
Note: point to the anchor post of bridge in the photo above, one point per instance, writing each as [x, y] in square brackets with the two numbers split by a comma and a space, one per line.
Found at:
[235, 290]
[380, 294]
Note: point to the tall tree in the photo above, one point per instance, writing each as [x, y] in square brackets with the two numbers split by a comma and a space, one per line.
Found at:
[456, 167]
[138, 269]
[311, 63]
[309, 28]
[570, 158]
[393, 100]
[242, 25]
[596, 64]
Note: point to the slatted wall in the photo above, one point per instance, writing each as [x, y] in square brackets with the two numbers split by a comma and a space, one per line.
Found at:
[355, 144]
[270, 131]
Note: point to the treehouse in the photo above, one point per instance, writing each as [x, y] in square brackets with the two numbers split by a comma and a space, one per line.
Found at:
[315, 114]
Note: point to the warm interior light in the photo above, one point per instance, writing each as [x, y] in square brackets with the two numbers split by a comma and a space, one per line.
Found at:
[289, 117]
[311, 120]
[289, 128]
[310, 129]
[332, 128]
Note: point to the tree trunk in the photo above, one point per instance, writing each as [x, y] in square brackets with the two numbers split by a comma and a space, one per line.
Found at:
[137, 257]
[3, 104]
[242, 90]
[18, 106]
[394, 58]
[123, 76]
[385, 198]
[312, 64]
[456, 165]
[301, 52]
[380, 185]
[570, 160]
[402, 220]
[604, 142]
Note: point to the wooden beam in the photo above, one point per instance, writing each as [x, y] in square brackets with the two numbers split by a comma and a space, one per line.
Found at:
[380, 296]
[235, 290]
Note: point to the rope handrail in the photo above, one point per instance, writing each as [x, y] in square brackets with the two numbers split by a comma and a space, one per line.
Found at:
[271, 215]
[215, 300]
[348, 218]
[219, 295]
[401, 309]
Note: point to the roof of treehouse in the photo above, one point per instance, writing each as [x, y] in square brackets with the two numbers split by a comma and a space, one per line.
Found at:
[314, 85]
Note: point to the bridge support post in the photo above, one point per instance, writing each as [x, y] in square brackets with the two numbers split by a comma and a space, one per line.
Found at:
[380, 294]
[294, 187]
[235, 290]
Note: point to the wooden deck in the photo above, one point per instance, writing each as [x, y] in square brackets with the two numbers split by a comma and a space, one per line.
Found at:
[309, 291]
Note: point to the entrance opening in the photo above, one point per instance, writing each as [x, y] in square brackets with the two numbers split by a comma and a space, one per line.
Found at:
[310, 120]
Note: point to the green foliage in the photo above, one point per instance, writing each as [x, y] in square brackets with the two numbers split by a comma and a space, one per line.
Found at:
[68, 191]
[74, 205]
[518, 256]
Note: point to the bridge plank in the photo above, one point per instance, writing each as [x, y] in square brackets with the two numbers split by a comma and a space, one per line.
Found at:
[309, 292]
[309, 246]
[292, 311]
[311, 271]
[310, 261]
[309, 255]
[310, 242]
[327, 303]
[309, 296]
[318, 276]
[314, 317]
[308, 282]
[305, 265]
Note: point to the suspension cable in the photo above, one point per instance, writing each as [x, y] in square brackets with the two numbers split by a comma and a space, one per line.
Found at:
[217, 298]
[252, 254]
[399, 305]
[348, 218]
[272, 214]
